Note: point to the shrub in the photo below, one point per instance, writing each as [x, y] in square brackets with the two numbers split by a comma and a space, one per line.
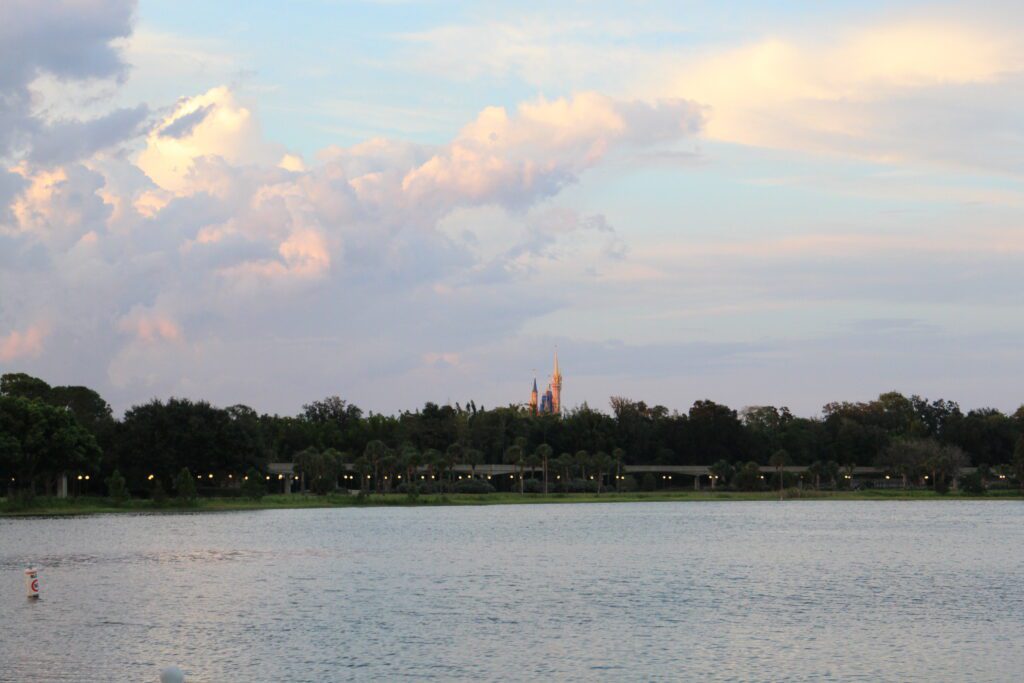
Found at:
[185, 486]
[423, 486]
[748, 478]
[628, 484]
[254, 486]
[972, 484]
[20, 499]
[941, 486]
[117, 488]
[157, 493]
[789, 480]
[533, 486]
[321, 486]
[582, 486]
[647, 482]
[474, 486]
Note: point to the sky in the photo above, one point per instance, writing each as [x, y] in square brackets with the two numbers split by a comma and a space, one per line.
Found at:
[399, 202]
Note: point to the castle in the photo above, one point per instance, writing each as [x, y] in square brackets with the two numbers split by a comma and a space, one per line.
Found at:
[551, 400]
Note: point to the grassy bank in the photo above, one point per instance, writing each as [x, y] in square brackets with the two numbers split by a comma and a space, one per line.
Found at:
[87, 506]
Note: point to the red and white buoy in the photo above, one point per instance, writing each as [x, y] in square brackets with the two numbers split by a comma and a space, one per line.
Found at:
[32, 582]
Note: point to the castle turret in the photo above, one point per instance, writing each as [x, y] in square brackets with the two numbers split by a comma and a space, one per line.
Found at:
[556, 388]
[533, 397]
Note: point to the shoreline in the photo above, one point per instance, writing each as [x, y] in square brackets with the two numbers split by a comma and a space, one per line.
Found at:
[53, 507]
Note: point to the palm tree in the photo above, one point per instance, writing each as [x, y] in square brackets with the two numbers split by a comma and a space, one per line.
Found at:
[619, 455]
[832, 473]
[472, 457]
[544, 452]
[374, 451]
[533, 461]
[389, 465]
[582, 460]
[778, 461]
[602, 463]
[412, 459]
[564, 463]
[434, 460]
[453, 456]
[363, 467]
[720, 470]
[514, 456]
[815, 470]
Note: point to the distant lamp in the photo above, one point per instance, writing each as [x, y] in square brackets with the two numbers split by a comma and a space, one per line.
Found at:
[150, 477]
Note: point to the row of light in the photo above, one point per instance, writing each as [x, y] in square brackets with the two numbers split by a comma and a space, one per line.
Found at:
[85, 477]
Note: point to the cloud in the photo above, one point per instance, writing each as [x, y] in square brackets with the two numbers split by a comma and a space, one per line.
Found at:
[71, 140]
[212, 126]
[841, 92]
[515, 160]
[69, 40]
[936, 86]
[27, 343]
[183, 125]
[149, 327]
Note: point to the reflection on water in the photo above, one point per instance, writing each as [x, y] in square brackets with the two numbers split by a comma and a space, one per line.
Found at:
[758, 591]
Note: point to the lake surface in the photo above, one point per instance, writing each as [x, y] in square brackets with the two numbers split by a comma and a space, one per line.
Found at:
[718, 591]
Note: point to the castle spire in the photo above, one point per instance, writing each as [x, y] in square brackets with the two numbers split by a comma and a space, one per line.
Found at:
[556, 388]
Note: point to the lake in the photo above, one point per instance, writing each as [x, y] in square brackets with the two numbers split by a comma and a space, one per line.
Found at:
[696, 591]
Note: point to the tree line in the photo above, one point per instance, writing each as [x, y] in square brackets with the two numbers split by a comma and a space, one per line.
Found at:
[49, 430]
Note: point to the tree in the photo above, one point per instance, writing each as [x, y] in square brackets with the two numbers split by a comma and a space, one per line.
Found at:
[582, 461]
[473, 457]
[543, 454]
[321, 468]
[20, 385]
[720, 470]
[160, 438]
[254, 486]
[1018, 462]
[564, 464]
[185, 486]
[602, 463]
[779, 460]
[412, 460]
[748, 477]
[38, 442]
[374, 451]
[618, 455]
[815, 471]
[117, 489]
[533, 461]
[514, 456]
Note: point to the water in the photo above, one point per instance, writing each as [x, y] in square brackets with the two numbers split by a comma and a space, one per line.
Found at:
[738, 591]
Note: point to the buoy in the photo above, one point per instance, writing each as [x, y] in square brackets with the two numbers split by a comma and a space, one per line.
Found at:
[32, 582]
[172, 674]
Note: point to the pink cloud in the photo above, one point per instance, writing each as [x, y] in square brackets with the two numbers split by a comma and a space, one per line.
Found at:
[150, 327]
[26, 344]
